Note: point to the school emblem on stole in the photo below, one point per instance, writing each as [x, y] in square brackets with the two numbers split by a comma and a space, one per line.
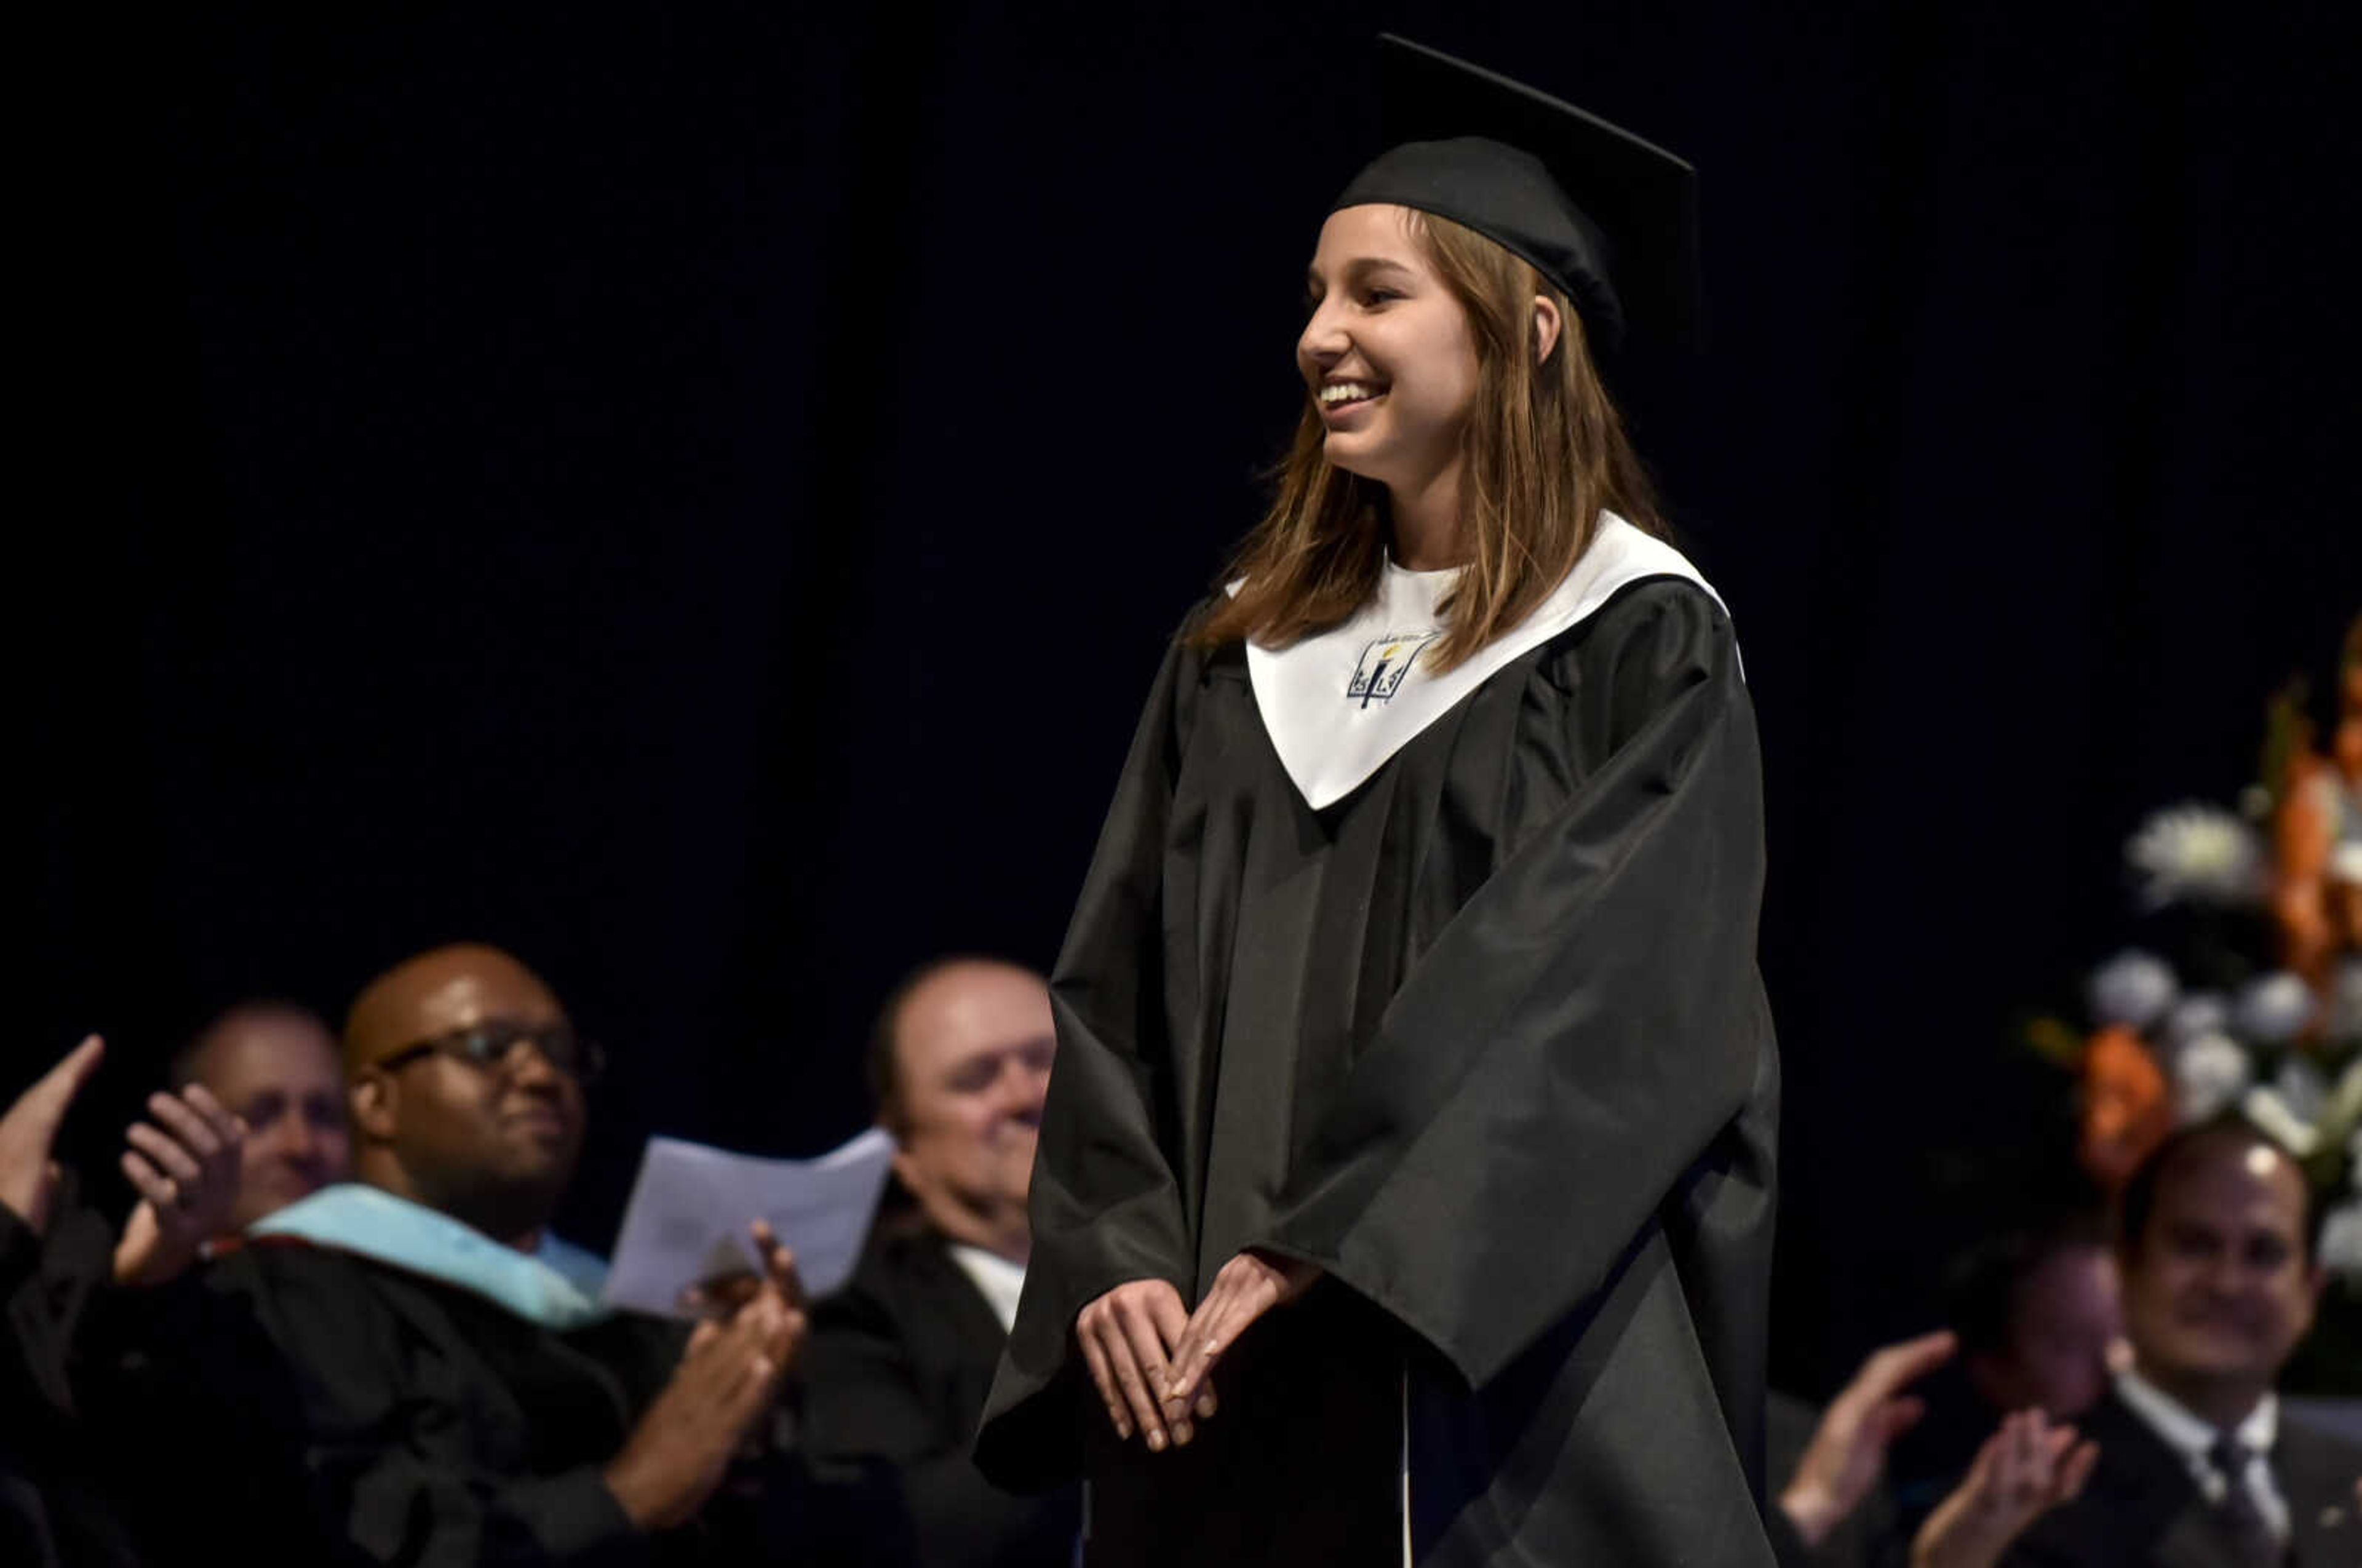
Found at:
[1385, 661]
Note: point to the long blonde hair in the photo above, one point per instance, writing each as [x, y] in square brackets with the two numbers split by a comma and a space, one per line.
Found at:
[1544, 453]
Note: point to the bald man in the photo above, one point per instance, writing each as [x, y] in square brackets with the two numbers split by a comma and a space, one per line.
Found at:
[275, 1067]
[468, 1083]
[459, 1392]
[901, 1359]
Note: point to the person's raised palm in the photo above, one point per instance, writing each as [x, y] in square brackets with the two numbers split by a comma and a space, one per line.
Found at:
[28, 1131]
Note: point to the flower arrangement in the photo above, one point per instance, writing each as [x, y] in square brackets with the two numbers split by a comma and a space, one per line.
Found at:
[2259, 1010]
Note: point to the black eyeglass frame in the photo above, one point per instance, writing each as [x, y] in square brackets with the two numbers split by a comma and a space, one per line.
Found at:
[486, 1046]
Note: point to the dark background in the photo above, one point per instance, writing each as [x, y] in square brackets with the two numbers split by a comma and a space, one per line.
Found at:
[694, 495]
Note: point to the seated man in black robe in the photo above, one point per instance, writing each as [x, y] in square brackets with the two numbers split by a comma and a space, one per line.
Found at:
[1833, 1509]
[901, 1359]
[62, 1270]
[2038, 1312]
[420, 1373]
[2198, 1465]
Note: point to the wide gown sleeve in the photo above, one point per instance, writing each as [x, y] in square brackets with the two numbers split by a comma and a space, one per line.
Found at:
[390, 1443]
[1106, 1204]
[1578, 1034]
[58, 1496]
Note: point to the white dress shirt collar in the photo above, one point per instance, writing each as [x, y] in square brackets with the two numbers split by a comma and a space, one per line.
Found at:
[1000, 1280]
[2191, 1437]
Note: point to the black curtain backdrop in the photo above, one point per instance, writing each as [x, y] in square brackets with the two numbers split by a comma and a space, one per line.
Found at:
[694, 495]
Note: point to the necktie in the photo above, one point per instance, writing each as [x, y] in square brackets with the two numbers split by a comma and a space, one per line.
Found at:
[2237, 1515]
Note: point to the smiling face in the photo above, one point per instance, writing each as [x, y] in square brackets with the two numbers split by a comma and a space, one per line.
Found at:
[275, 1067]
[972, 1048]
[1388, 355]
[2218, 1288]
[494, 1144]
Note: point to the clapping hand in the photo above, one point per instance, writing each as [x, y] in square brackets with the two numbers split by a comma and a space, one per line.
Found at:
[2026, 1468]
[185, 1165]
[1848, 1452]
[28, 1176]
[726, 1382]
[729, 1294]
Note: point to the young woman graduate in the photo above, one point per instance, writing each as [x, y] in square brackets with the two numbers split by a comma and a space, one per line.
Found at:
[1405, 1190]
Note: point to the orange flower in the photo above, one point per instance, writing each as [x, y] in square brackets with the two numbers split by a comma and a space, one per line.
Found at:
[2127, 1106]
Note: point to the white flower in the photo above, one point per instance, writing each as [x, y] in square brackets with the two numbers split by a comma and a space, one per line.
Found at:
[2132, 988]
[2273, 1009]
[2344, 1109]
[2341, 1240]
[2209, 1072]
[2303, 1088]
[2199, 1012]
[2346, 862]
[2280, 1123]
[2201, 853]
[2345, 999]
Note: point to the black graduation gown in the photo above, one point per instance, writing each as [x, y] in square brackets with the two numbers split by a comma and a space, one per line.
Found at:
[1486, 1042]
[346, 1410]
[384, 1417]
[59, 1496]
[895, 1376]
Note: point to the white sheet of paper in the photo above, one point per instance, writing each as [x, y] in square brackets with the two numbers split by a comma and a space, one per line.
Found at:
[691, 1206]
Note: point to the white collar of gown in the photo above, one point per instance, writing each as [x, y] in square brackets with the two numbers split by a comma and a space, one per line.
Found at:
[1337, 706]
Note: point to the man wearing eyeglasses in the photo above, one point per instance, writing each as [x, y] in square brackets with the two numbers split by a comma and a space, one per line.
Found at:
[453, 1387]
[468, 1093]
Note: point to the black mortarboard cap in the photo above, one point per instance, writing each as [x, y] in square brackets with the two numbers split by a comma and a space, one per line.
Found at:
[1606, 216]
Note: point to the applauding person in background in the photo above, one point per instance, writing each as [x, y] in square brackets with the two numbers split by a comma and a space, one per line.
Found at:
[60, 1493]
